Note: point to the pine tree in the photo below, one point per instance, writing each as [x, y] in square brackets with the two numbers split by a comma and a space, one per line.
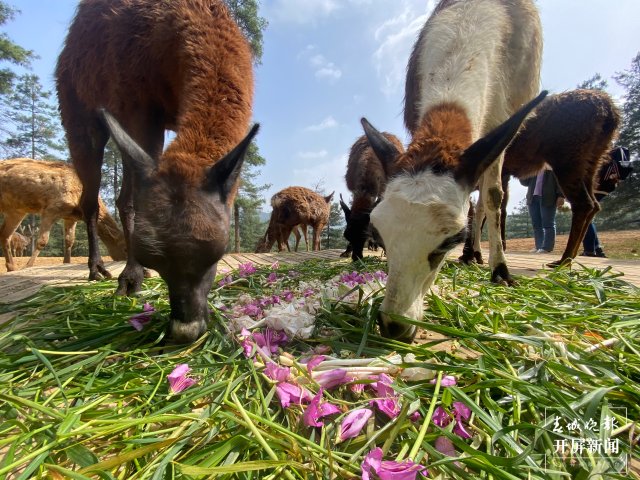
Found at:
[622, 208]
[35, 131]
[10, 52]
[594, 83]
[335, 228]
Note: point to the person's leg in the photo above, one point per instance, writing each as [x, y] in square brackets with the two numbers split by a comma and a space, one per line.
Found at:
[548, 220]
[589, 242]
[536, 221]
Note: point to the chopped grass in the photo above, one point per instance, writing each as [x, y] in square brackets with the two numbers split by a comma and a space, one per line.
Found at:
[86, 396]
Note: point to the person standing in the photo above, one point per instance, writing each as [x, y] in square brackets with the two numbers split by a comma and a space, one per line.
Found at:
[543, 198]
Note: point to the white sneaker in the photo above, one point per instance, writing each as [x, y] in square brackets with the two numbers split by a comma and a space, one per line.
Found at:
[542, 250]
[533, 250]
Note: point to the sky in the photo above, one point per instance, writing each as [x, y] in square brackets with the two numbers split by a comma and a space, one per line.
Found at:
[327, 63]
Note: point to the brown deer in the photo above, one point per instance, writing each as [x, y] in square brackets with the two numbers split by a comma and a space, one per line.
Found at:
[18, 244]
[366, 180]
[572, 132]
[472, 67]
[52, 190]
[294, 206]
[279, 234]
[133, 68]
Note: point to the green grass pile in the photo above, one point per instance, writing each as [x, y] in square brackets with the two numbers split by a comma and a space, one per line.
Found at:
[85, 395]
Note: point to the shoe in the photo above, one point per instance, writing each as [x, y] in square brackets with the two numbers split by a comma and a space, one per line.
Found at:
[533, 250]
[588, 254]
[542, 250]
[599, 253]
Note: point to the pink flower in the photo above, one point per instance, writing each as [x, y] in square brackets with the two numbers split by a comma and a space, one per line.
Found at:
[252, 310]
[274, 372]
[389, 406]
[287, 295]
[178, 380]
[289, 393]
[447, 381]
[389, 469]
[317, 410]
[461, 413]
[268, 342]
[226, 280]
[332, 378]
[357, 387]
[139, 320]
[440, 417]
[246, 269]
[272, 278]
[353, 423]
[314, 362]
[275, 265]
[445, 446]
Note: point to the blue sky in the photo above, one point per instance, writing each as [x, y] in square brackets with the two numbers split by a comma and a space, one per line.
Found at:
[327, 63]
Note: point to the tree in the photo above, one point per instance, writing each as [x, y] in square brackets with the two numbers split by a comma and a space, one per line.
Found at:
[622, 208]
[36, 131]
[111, 176]
[335, 228]
[10, 52]
[245, 13]
[594, 83]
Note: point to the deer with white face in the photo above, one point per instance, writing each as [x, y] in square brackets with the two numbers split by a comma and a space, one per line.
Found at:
[474, 65]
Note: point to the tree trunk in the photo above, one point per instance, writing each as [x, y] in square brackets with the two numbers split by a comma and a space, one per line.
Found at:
[236, 227]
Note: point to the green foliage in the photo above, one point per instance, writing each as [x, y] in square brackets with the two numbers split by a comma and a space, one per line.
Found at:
[36, 132]
[594, 83]
[620, 210]
[245, 13]
[335, 228]
[111, 176]
[10, 51]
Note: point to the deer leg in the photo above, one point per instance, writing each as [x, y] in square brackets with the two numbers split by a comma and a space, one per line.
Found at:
[491, 195]
[297, 234]
[584, 207]
[467, 251]
[69, 238]
[11, 222]
[46, 222]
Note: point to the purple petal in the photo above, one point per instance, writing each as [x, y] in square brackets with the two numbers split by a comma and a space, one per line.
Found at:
[316, 410]
[383, 386]
[388, 406]
[389, 469]
[445, 446]
[357, 387]
[314, 362]
[440, 417]
[460, 430]
[289, 393]
[178, 380]
[274, 372]
[272, 278]
[147, 307]
[447, 381]
[353, 423]
[275, 265]
[461, 411]
[332, 378]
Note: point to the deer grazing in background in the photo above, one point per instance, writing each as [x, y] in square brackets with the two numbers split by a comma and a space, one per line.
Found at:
[572, 132]
[473, 65]
[279, 234]
[18, 244]
[51, 190]
[366, 180]
[295, 206]
[133, 68]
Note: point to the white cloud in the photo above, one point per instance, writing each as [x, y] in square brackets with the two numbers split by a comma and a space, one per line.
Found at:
[312, 155]
[305, 11]
[328, 122]
[395, 38]
[329, 174]
[323, 68]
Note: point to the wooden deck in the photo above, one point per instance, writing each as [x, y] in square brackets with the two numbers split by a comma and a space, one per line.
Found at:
[16, 286]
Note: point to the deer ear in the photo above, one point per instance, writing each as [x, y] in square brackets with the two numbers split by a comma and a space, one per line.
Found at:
[143, 164]
[345, 209]
[482, 153]
[223, 175]
[382, 147]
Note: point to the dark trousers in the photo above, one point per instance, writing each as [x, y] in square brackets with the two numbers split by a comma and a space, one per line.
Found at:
[543, 220]
[590, 242]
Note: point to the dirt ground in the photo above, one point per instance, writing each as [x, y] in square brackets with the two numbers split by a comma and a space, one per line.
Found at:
[619, 245]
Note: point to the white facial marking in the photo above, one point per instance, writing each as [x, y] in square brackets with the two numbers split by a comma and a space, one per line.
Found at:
[418, 213]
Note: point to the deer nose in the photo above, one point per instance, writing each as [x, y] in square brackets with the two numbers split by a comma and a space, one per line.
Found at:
[402, 332]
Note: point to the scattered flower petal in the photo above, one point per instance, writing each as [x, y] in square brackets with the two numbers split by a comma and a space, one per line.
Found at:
[289, 393]
[440, 417]
[317, 410]
[178, 380]
[329, 379]
[139, 320]
[353, 423]
[461, 411]
[447, 381]
[246, 269]
[389, 469]
[314, 362]
[274, 372]
[272, 278]
[445, 446]
[389, 406]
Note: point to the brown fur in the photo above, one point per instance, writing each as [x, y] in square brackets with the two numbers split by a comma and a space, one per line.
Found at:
[572, 132]
[52, 190]
[438, 142]
[301, 206]
[279, 234]
[153, 65]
